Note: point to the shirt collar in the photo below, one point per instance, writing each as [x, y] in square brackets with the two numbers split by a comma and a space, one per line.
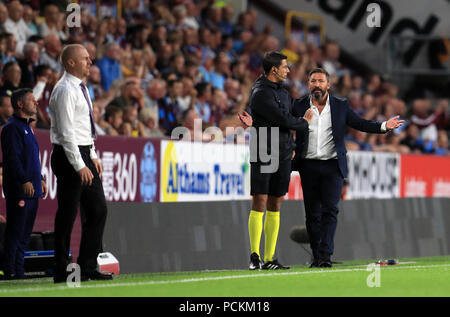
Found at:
[23, 119]
[75, 80]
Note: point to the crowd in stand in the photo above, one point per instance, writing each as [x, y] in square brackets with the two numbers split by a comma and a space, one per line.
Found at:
[163, 64]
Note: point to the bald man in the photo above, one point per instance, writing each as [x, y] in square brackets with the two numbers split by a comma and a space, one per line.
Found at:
[76, 167]
[16, 25]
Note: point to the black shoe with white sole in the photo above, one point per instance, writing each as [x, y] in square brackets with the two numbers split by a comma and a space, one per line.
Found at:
[255, 262]
[274, 265]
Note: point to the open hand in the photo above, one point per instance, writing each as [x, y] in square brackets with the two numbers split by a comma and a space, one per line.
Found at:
[394, 123]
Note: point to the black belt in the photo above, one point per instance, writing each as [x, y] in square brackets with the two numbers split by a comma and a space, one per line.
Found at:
[81, 147]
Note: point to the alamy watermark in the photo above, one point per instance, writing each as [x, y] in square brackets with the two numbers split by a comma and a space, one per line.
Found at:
[73, 19]
[374, 278]
[74, 278]
[373, 20]
[259, 139]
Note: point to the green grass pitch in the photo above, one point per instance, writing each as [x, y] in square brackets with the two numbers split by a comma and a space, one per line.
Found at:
[428, 276]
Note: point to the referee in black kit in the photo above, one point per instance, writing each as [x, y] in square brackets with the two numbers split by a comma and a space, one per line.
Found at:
[270, 105]
[77, 168]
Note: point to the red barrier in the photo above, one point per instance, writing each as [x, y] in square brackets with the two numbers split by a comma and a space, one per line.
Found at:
[425, 176]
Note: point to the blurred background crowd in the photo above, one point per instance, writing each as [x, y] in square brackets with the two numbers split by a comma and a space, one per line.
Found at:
[163, 64]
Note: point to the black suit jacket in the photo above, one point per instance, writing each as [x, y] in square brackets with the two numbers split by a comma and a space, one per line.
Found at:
[342, 115]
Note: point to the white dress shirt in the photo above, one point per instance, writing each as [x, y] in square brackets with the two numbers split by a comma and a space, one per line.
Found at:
[70, 119]
[321, 143]
[20, 30]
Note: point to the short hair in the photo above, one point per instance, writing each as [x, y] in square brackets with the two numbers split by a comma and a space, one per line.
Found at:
[9, 65]
[201, 87]
[19, 95]
[172, 82]
[272, 59]
[319, 71]
[67, 52]
[111, 111]
[40, 69]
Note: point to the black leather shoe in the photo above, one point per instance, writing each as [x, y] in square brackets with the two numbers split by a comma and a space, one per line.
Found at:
[314, 264]
[96, 276]
[325, 263]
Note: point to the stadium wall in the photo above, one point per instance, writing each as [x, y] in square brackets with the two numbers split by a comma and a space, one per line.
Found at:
[213, 235]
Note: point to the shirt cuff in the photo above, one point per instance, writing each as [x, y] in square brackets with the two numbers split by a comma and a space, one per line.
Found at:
[383, 126]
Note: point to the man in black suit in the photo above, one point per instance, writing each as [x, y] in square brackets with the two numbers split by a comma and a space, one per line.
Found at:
[321, 159]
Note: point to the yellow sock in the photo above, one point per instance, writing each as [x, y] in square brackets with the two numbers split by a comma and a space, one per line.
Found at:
[255, 227]
[271, 227]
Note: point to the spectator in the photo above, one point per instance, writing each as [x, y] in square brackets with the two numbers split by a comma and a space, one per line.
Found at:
[10, 51]
[219, 106]
[12, 75]
[374, 84]
[50, 56]
[424, 118]
[344, 86]
[442, 145]
[113, 120]
[192, 14]
[291, 50]
[94, 83]
[155, 92]
[149, 118]
[221, 71]
[331, 61]
[6, 109]
[412, 139]
[3, 17]
[109, 65]
[442, 120]
[29, 18]
[189, 95]
[130, 95]
[176, 65]
[28, 64]
[96, 111]
[202, 106]
[226, 24]
[187, 120]
[51, 24]
[121, 31]
[92, 50]
[130, 115]
[16, 25]
[169, 108]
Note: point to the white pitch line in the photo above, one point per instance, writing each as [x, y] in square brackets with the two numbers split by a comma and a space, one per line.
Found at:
[202, 279]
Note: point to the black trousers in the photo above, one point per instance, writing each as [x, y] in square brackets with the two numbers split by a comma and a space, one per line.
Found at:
[20, 217]
[322, 184]
[71, 194]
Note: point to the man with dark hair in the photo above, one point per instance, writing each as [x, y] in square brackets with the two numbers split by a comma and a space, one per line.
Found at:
[6, 110]
[270, 105]
[322, 162]
[23, 184]
[169, 109]
[12, 75]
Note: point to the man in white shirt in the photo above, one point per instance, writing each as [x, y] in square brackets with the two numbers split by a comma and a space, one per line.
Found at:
[76, 166]
[16, 25]
[321, 159]
[50, 24]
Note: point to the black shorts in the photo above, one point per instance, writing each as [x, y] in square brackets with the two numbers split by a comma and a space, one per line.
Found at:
[272, 184]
